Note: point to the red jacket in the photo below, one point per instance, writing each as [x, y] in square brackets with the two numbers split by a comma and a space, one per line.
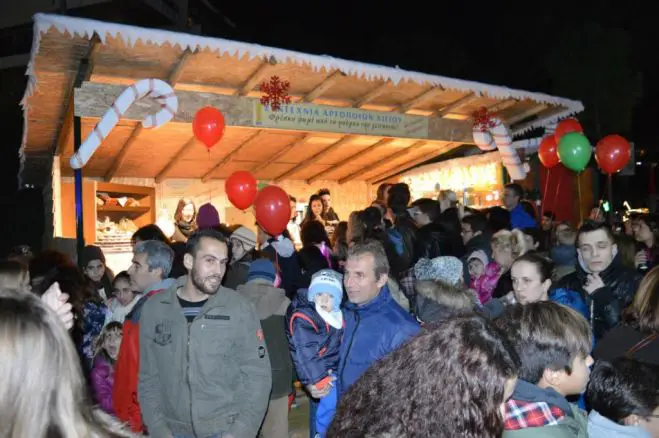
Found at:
[124, 393]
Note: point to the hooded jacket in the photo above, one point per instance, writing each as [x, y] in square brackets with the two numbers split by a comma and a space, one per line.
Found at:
[271, 305]
[434, 241]
[372, 331]
[207, 377]
[314, 344]
[544, 413]
[605, 304]
[602, 427]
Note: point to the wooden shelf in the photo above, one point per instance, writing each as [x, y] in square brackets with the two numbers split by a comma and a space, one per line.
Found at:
[120, 209]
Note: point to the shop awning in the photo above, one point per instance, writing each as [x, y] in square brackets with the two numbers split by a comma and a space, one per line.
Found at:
[412, 117]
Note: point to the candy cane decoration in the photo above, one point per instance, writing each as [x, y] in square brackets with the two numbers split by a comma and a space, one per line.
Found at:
[491, 133]
[155, 88]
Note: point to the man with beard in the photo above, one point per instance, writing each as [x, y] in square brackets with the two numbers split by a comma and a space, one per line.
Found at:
[204, 368]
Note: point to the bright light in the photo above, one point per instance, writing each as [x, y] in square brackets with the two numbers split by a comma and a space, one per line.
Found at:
[488, 197]
[638, 163]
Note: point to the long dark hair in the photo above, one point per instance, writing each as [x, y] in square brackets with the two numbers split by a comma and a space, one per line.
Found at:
[308, 215]
[449, 381]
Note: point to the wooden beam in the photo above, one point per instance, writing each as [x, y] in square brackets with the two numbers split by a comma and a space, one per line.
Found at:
[457, 104]
[177, 71]
[422, 159]
[281, 153]
[121, 156]
[175, 159]
[229, 156]
[325, 85]
[257, 76]
[313, 159]
[502, 105]
[526, 114]
[383, 161]
[348, 160]
[372, 95]
[66, 128]
[428, 94]
[542, 117]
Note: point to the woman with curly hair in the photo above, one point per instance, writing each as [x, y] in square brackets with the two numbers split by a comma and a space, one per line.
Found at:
[449, 381]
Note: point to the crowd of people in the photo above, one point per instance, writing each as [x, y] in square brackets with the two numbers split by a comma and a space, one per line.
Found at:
[408, 319]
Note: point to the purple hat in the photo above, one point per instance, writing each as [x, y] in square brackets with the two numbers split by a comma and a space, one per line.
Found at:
[207, 217]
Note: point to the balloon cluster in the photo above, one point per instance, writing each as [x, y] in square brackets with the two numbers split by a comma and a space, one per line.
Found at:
[568, 145]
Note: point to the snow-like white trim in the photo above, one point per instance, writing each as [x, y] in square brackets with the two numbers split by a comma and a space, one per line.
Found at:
[131, 34]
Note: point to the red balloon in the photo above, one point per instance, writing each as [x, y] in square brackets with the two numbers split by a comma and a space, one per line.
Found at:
[208, 126]
[613, 153]
[565, 127]
[272, 210]
[548, 152]
[241, 189]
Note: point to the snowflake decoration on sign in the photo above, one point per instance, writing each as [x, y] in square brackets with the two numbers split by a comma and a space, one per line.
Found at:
[276, 93]
[483, 119]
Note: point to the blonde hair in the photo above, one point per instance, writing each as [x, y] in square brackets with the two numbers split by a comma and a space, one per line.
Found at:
[42, 393]
[643, 313]
[14, 275]
[514, 239]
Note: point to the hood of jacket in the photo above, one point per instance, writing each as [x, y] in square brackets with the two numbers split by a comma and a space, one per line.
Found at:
[602, 427]
[530, 393]
[267, 299]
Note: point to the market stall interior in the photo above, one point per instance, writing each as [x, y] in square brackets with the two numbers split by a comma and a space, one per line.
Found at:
[349, 125]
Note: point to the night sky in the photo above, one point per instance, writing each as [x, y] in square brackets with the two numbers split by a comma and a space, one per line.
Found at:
[503, 45]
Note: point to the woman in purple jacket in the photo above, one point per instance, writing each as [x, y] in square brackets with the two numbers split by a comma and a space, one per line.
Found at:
[106, 352]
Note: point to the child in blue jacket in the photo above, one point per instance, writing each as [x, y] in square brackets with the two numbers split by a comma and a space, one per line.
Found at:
[314, 328]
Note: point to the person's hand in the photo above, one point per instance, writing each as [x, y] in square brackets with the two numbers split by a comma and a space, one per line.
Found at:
[641, 258]
[322, 388]
[593, 283]
[58, 301]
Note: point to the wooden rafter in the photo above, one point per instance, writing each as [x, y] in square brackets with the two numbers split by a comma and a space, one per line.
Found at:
[325, 85]
[121, 156]
[348, 160]
[229, 156]
[372, 95]
[176, 158]
[551, 113]
[457, 104]
[528, 113]
[66, 128]
[281, 153]
[421, 159]
[428, 94]
[383, 161]
[313, 159]
[502, 105]
[257, 76]
[177, 71]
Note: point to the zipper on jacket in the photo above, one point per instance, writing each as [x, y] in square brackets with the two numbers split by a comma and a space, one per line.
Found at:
[345, 362]
[194, 432]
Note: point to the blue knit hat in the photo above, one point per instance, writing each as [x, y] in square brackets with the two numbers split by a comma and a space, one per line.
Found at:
[261, 269]
[329, 282]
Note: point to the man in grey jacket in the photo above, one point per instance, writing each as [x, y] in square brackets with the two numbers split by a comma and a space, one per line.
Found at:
[204, 368]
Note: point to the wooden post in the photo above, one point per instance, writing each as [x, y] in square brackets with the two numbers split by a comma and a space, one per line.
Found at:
[77, 174]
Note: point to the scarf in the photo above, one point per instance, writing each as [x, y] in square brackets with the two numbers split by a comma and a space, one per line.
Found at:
[185, 228]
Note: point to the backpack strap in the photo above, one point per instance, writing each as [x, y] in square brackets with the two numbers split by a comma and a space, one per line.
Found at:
[641, 344]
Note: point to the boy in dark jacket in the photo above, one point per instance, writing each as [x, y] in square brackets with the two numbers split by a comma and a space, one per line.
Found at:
[271, 304]
[553, 343]
[314, 329]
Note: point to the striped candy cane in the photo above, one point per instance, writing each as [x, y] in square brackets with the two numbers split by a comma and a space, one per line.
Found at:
[498, 136]
[155, 88]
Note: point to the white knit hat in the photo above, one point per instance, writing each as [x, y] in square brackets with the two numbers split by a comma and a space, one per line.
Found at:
[246, 236]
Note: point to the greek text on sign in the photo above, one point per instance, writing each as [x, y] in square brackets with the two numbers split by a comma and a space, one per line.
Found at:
[310, 117]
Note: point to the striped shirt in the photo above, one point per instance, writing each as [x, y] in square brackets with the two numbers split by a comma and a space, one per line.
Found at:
[191, 309]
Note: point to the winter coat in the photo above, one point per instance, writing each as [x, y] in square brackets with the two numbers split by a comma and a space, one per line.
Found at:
[605, 304]
[429, 310]
[520, 219]
[572, 299]
[282, 251]
[481, 242]
[623, 338]
[314, 344]
[102, 379]
[208, 377]
[485, 284]
[271, 305]
[548, 403]
[237, 273]
[93, 322]
[117, 312]
[602, 427]
[404, 237]
[433, 241]
[124, 392]
[372, 331]
[504, 285]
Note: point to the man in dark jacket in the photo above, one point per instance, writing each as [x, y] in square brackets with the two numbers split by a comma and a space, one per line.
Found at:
[204, 368]
[243, 242]
[374, 323]
[433, 240]
[475, 238]
[271, 305]
[604, 283]
[403, 233]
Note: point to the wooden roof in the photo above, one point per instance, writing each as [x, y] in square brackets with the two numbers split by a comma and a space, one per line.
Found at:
[108, 54]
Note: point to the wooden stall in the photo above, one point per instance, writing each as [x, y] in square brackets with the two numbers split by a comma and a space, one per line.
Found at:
[349, 126]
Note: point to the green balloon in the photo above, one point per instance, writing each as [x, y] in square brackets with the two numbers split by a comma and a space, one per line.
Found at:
[575, 151]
